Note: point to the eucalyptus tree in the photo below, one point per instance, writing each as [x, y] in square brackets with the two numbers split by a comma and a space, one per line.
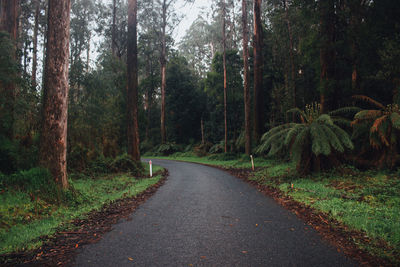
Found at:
[53, 139]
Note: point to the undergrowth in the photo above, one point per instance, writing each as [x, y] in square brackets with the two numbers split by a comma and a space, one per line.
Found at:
[32, 206]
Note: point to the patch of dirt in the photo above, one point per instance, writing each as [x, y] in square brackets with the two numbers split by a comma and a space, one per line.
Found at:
[338, 234]
[60, 249]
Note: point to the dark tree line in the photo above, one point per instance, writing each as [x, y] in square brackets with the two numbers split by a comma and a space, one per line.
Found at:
[239, 72]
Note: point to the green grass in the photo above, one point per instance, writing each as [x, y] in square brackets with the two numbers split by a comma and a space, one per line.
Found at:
[24, 220]
[365, 201]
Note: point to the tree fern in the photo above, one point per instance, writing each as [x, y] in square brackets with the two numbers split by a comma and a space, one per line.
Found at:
[316, 136]
[369, 100]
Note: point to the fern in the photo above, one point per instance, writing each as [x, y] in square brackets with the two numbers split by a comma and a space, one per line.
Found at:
[368, 114]
[395, 119]
[351, 111]
[369, 100]
[324, 118]
[293, 133]
[333, 139]
[320, 142]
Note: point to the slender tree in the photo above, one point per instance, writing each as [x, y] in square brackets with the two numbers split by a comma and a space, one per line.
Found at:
[53, 139]
[163, 61]
[327, 53]
[132, 94]
[9, 11]
[113, 29]
[291, 56]
[225, 78]
[35, 38]
[258, 71]
[246, 91]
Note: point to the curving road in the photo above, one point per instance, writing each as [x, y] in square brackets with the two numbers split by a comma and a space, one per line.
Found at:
[203, 216]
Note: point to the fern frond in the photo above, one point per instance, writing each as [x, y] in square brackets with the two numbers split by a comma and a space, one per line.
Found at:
[278, 144]
[369, 114]
[333, 139]
[268, 140]
[293, 133]
[320, 142]
[377, 123]
[276, 129]
[369, 100]
[383, 130]
[324, 118]
[342, 122]
[300, 141]
[298, 112]
[395, 119]
[342, 136]
[345, 111]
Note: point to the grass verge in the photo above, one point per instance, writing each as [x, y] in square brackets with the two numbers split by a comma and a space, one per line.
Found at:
[364, 201]
[27, 215]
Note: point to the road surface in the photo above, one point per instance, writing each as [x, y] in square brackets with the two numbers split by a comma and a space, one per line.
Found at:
[203, 216]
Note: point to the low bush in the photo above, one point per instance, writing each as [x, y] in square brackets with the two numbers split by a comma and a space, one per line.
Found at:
[124, 163]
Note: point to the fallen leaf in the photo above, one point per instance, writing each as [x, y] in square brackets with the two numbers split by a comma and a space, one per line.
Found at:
[244, 251]
[130, 259]
[292, 229]
[77, 245]
[203, 257]
[256, 224]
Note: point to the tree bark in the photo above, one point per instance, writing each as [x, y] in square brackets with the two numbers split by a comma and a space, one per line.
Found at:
[113, 30]
[327, 55]
[246, 91]
[9, 12]
[53, 139]
[258, 71]
[163, 71]
[132, 95]
[291, 56]
[225, 76]
[35, 37]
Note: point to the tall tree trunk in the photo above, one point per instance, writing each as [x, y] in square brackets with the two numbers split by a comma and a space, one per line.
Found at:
[9, 10]
[258, 71]
[53, 139]
[246, 90]
[202, 131]
[46, 12]
[225, 76]
[327, 55]
[291, 56]
[113, 30]
[88, 54]
[35, 37]
[132, 96]
[163, 71]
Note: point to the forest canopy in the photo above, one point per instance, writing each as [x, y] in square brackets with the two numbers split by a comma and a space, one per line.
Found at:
[318, 70]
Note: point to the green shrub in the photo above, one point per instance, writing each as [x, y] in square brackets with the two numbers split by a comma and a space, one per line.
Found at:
[224, 156]
[167, 149]
[38, 183]
[125, 163]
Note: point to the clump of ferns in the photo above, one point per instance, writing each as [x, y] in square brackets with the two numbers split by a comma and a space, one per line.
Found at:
[383, 125]
[314, 142]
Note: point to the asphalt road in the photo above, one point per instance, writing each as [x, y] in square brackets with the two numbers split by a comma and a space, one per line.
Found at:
[203, 216]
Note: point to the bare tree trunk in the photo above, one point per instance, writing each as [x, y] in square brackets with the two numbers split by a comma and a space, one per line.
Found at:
[225, 76]
[46, 12]
[246, 91]
[88, 54]
[202, 131]
[53, 139]
[132, 99]
[258, 71]
[35, 37]
[327, 54]
[291, 56]
[9, 10]
[113, 30]
[163, 72]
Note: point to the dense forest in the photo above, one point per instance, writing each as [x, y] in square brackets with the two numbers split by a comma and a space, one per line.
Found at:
[86, 81]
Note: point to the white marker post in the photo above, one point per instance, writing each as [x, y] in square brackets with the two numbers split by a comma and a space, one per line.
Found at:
[151, 168]
[252, 162]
